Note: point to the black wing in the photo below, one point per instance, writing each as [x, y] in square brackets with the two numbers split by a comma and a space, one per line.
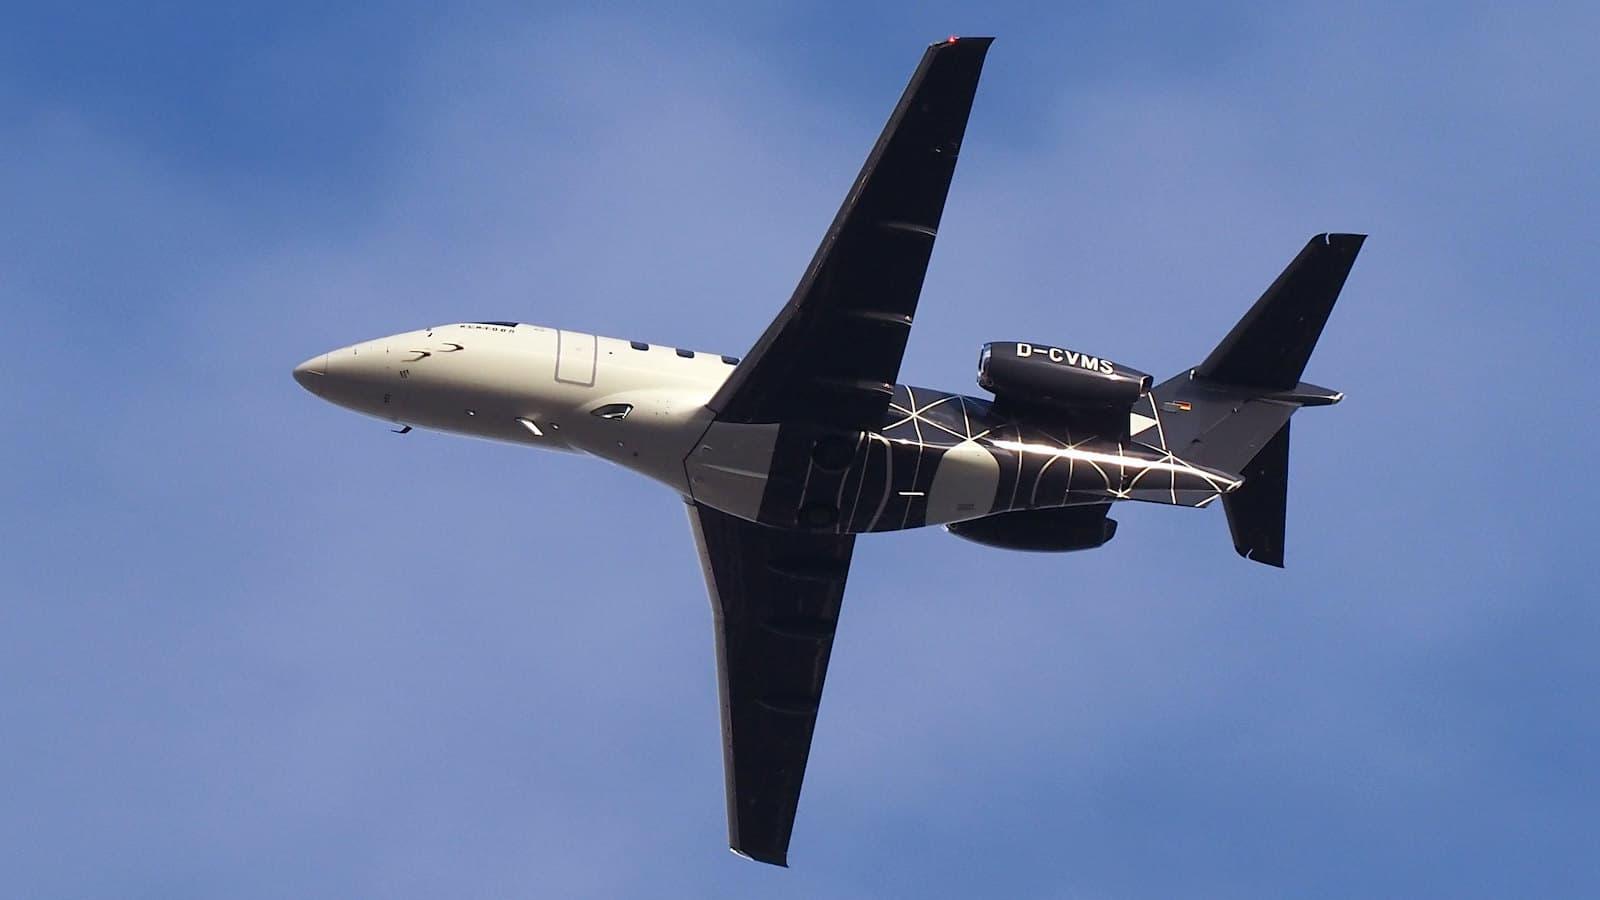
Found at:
[775, 600]
[833, 354]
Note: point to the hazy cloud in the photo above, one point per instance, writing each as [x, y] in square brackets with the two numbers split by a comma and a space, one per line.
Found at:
[256, 646]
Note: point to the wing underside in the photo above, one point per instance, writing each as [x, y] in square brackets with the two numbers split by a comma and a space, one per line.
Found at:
[833, 354]
[829, 359]
[775, 599]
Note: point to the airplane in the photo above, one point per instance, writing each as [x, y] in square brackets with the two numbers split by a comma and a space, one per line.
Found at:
[785, 456]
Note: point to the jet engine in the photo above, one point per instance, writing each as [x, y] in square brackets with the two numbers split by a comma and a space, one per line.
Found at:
[1041, 375]
[1041, 530]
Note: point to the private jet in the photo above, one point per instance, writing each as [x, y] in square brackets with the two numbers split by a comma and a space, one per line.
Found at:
[784, 456]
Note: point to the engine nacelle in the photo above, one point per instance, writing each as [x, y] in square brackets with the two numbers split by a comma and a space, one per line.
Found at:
[1041, 530]
[1038, 374]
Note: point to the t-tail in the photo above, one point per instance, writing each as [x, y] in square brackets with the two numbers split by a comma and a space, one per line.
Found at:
[1232, 411]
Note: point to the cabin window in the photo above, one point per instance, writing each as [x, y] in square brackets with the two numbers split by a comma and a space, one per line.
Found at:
[731, 360]
[639, 345]
[686, 354]
[614, 411]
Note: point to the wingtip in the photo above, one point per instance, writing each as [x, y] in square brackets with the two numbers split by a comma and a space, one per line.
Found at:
[781, 860]
[962, 40]
[1259, 555]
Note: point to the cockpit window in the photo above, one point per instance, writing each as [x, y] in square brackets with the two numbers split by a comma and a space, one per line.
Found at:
[501, 324]
[614, 411]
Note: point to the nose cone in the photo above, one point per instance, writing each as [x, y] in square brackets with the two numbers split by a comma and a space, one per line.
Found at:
[312, 373]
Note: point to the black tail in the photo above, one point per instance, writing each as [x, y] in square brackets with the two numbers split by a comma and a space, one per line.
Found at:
[1271, 344]
[1232, 411]
[1256, 510]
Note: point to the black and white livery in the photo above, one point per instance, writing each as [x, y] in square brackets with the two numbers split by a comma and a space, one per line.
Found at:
[785, 457]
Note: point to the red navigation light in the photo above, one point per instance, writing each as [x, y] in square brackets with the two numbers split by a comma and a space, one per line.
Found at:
[951, 40]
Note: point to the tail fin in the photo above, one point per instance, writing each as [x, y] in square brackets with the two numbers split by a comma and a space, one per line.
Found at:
[1271, 344]
[1257, 509]
[1232, 411]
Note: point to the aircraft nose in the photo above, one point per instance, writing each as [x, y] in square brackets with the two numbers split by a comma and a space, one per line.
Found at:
[310, 373]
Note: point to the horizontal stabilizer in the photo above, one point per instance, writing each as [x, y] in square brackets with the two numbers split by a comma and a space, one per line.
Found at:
[1271, 344]
[1232, 411]
[1257, 510]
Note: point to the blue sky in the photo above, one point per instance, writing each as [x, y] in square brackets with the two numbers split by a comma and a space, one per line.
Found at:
[254, 646]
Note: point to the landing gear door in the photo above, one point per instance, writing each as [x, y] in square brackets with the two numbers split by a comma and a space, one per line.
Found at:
[575, 356]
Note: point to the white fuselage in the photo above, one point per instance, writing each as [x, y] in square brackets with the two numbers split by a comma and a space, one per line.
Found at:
[532, 385]
[644, 407]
